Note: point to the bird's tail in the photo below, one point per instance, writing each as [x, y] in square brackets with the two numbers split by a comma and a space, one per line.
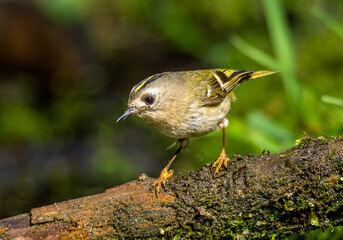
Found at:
[234, 78]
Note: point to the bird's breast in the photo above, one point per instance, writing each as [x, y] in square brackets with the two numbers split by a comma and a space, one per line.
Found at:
[195, 121]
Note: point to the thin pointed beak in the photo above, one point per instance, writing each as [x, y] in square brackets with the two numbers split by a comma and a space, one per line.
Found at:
[128, 113]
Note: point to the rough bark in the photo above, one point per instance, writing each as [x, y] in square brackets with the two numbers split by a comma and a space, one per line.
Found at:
[267, 196]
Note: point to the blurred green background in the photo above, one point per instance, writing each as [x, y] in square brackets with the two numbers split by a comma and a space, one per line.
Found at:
[67, 67]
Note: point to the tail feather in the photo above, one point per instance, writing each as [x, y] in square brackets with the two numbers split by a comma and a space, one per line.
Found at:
[223, 81]
[259, 74]
[234, 78]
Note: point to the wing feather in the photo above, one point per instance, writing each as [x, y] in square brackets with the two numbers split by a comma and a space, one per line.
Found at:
[223, 81]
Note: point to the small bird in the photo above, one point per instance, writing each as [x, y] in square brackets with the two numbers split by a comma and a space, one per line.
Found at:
[187, 104]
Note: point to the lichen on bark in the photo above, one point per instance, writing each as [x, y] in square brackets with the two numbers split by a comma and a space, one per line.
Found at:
[264, 196]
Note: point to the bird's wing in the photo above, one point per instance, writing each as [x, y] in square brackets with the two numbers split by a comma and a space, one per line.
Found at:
[220, 82]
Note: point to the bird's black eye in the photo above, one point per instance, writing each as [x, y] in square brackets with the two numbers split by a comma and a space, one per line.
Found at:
[149, 100]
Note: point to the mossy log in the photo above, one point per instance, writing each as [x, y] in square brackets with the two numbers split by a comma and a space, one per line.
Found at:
[267, 196]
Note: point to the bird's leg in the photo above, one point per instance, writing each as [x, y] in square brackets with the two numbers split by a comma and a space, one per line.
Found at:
[166, 173]
[223, 159]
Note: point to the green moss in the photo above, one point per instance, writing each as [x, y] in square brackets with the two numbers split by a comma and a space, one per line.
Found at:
[252, 220]
[334, 207]
[238, 222]
[280, 181]
[315, 221]
[305, 140]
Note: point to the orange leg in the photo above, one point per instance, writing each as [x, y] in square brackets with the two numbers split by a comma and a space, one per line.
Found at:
[165, 173]
[223, 159]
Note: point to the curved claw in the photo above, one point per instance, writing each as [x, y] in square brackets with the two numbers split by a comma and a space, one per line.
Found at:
[222, 160]
[161, 181]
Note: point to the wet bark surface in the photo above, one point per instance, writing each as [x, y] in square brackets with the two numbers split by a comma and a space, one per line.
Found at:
[265, 196]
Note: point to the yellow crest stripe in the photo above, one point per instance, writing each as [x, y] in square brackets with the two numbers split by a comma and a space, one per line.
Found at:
[142, 84]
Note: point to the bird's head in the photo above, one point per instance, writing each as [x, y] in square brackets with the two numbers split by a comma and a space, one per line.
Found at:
[151, 98]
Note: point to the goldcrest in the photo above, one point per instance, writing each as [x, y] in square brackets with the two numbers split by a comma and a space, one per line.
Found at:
[187, 104]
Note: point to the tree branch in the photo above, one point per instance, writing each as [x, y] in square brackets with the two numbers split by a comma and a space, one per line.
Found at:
[258, 197]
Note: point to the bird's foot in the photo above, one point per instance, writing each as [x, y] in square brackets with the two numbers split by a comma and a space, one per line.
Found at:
[161, 181]
[222, 160]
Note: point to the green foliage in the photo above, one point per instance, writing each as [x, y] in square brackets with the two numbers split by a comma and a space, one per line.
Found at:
[21, 122]
[329, 21]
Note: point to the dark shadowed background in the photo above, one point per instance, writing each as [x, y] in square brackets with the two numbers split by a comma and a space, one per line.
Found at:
[67, 67]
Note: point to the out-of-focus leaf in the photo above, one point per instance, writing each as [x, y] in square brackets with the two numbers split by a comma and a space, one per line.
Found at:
[332, 100]
[328, 20]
